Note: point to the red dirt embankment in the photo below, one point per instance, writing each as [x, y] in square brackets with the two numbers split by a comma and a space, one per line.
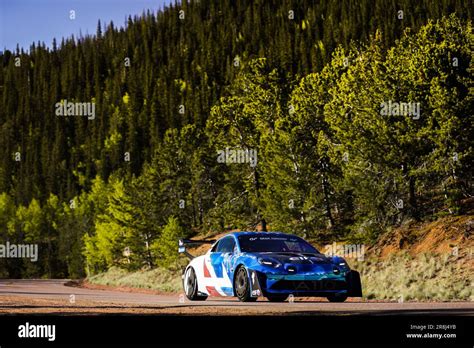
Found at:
[452, 234]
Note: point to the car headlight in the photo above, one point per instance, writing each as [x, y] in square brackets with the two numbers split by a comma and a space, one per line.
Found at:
[269, 262]
[342, 265]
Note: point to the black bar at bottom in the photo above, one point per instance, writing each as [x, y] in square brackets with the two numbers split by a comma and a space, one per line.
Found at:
[290, 331]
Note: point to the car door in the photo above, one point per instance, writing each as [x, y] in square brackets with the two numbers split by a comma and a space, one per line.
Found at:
[228, 253]
[221, 259]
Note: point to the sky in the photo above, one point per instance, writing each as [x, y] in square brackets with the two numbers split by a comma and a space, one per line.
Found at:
[26, 21]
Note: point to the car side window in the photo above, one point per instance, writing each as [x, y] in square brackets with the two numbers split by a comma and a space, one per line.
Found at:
[231, 246]
[226, 245]
[214, 248]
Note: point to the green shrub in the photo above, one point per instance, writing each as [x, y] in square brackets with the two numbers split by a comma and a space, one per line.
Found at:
[166, 246]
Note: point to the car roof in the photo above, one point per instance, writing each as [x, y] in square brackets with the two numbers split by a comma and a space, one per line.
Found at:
[254, 233]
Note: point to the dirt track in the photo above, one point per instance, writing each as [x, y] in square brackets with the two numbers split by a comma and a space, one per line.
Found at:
[54, 297]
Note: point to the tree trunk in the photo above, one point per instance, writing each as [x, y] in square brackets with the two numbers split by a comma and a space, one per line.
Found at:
[327, 204]
[412, 199]
[411, 194]
[263, 222]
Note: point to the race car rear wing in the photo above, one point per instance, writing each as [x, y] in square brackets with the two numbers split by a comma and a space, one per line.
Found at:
[183, 242]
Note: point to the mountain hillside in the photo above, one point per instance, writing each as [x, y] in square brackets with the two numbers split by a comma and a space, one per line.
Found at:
[333, 120]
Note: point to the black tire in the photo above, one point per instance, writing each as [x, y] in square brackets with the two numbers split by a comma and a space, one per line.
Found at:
[337, 298]
[277, 298]
[355, 286]
[190, 286]
[242, 285]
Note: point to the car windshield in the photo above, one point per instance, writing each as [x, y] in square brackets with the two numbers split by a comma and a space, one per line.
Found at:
[256, 243]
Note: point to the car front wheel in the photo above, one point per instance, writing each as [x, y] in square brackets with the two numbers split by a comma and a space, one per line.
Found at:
[337, 298]
[242, 286]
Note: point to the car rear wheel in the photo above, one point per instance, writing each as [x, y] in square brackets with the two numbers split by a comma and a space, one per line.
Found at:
[277, 298]
[337, 298]
[190, 285]
[242, 285]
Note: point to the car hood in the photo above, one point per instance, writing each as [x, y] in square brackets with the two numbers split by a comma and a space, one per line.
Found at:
[296, 258]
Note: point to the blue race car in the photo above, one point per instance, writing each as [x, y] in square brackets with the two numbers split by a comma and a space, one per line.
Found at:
[270, 264]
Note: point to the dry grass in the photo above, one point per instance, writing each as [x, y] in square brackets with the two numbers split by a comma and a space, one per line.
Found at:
[156, 279]
[423, 277]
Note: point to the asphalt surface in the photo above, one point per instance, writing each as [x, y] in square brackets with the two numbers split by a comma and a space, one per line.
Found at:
[54, 297]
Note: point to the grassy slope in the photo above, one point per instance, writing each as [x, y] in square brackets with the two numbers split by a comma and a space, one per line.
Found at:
[422, 261]
[424, 277]
[156, 279]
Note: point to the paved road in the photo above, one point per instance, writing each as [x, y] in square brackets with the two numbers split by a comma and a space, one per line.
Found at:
[54, 297]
